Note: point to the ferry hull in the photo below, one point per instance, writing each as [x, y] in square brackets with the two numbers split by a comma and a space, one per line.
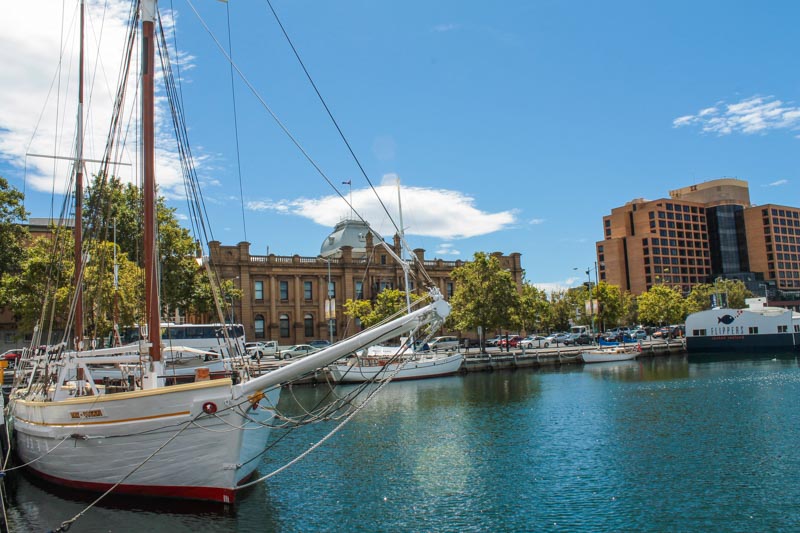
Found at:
[148, 442]
[743, 343]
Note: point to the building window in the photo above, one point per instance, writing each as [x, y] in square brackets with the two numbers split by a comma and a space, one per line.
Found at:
[284, 326]
[359, 290]
[308, 325]
[259, 290]
[308, 293]
[284, 288]
[449, 289]
[258, 325]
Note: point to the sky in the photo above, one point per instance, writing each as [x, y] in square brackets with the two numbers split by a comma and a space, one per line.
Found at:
[510, 126]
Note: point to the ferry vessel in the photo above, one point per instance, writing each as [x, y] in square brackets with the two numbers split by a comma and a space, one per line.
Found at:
[754, 329]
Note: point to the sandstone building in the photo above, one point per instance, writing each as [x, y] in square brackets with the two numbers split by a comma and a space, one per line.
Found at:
[284, 297]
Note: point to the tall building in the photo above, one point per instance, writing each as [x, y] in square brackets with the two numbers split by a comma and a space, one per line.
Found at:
[287, 298]
[698, 234]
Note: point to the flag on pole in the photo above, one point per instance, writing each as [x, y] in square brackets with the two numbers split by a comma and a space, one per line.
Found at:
[348, 182]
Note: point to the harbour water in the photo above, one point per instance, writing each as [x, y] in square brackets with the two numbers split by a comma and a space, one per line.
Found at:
[660, 444]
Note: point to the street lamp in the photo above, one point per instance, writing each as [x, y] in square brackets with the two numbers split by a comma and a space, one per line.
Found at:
[589, 288]
[230, 297]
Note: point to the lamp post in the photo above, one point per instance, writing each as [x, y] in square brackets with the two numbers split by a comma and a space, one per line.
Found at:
[330, 303]
[230, 297]
[589, 289]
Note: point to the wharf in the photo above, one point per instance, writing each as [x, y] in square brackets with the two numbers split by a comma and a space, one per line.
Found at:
[493, 359]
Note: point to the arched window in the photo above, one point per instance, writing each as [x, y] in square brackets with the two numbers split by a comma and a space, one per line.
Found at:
[308, 325]
[259, 326]
[284, 326]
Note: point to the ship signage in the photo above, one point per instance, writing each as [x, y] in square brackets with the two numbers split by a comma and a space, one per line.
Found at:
[82, 415]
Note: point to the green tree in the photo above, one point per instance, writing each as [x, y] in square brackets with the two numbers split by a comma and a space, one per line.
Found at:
[12, 233]
[564, 308]
[485, 295]
[388, 302]
[533, 310]
[700, 297]
[44, 273]
[662, 305]
[184, 285]
[103, 301]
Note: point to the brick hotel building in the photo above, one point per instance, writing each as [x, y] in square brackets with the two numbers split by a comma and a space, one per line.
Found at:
[700, 233]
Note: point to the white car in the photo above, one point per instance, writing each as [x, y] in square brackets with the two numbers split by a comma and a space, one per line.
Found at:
[534, 341]
[261, 349]
[298, 350]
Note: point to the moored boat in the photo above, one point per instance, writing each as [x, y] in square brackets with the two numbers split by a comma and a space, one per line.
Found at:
[757, 328]
[146, 435]
[358, 369]
[612, 353]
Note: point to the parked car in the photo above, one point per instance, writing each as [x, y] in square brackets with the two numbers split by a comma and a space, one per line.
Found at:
[576, 340]
[261, 349]
[494, 341]
[11, 357]
[554, 339]
[443, 343]
[661, 333]
[319, 343]
[298, 350]
[532, 341]
[511, 340]
[638, 334]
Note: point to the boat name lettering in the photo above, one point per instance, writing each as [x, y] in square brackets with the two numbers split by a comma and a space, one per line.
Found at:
[727, 330]
[728, 338]
[91, 413]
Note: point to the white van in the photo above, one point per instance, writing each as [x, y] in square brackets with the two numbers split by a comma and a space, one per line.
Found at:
[444, 343]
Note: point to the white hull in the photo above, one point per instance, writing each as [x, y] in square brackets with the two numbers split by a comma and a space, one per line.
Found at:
[94, 442]
[608, 355]
[410, 369]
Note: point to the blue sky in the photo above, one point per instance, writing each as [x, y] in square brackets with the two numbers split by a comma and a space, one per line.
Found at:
[512, 126]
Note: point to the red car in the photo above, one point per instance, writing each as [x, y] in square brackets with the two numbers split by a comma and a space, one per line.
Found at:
[11, 357]
[511, 340]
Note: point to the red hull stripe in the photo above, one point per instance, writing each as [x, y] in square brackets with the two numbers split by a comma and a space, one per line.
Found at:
[215, 494]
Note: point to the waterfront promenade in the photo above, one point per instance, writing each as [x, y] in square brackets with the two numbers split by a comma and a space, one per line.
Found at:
[500, 359]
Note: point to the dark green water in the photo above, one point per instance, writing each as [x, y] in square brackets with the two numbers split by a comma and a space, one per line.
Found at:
[656, 445]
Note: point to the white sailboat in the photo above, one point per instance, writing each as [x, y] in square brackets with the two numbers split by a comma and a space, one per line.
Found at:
[198, 440]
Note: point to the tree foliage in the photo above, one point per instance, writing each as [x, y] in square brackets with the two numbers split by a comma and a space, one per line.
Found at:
[12, 233]
[534, 309]
[700, 297]
[388, 302]
[662, 305]
[485, 295]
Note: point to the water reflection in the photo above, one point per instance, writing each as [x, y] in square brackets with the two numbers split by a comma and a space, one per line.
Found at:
[641, 369]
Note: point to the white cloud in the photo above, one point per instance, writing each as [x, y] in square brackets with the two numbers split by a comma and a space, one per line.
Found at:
[756, 114]
[777, 183]
[536, 221]
[427, 212]
[441, 28]
[37, 120]
[447, 248]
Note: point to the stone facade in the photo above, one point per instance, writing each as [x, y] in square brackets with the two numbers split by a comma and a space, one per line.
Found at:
[284, 297]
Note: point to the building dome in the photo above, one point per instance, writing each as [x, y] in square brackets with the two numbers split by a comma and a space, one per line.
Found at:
[351, 233]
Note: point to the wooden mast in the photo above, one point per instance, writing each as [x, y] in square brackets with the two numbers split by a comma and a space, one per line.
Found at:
[78, 223]
[149, 181]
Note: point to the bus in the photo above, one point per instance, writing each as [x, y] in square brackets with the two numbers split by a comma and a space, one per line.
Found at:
[205, 337]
